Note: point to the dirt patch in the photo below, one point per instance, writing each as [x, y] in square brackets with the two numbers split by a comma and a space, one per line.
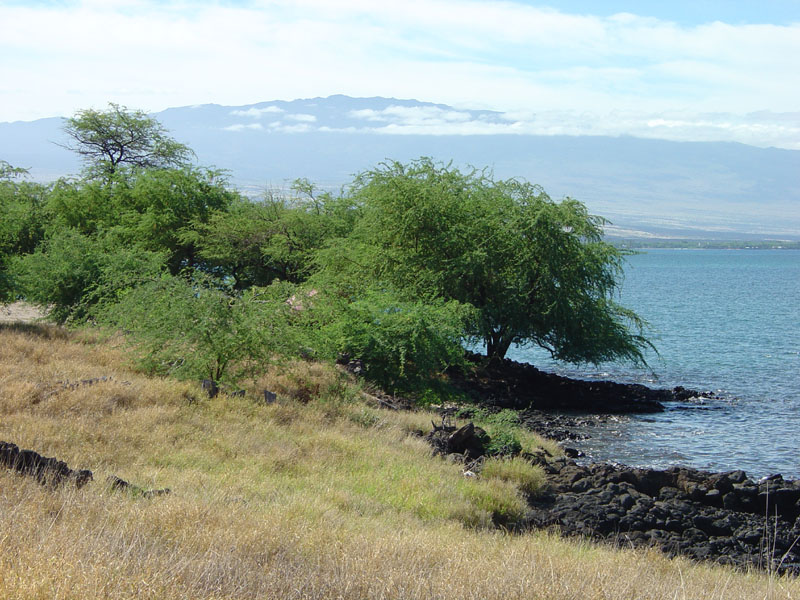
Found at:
[20, 312]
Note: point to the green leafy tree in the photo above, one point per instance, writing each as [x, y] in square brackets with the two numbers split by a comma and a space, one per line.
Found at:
[74, 274]
[402, 343]
[108, 140]
[161, 205]
[9, 172]
[152, 209]
[536, 271]
[22, 221]
[256, 242]
[195, 327]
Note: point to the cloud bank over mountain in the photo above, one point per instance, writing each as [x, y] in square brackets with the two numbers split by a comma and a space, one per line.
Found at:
[683, 70]
[650, 186]
[764, 128]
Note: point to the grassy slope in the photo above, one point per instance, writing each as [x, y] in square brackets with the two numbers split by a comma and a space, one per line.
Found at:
[325, 499]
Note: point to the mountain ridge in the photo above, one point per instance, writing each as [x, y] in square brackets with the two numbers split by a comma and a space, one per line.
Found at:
[644, 185]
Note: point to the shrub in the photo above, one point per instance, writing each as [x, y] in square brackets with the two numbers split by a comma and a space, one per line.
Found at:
[504, 443]
[194, 328]
[403, 344]
[74, 273]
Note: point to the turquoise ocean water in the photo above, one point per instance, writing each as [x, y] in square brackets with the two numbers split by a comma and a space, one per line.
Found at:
[727, 321]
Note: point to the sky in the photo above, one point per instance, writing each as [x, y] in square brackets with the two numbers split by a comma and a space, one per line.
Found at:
[685, 70]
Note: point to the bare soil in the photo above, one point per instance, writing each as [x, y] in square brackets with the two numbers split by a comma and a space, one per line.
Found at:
[20, 312]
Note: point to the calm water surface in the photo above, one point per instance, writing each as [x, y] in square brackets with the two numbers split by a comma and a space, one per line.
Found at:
[723, 320]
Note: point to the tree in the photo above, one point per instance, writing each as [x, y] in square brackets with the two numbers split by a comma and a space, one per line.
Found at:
[160, 205]
[74, 274]
[152, 208]
[111, 139]
[22, 221]
[536, 271]
[403, 344]
[256, 242]
[9, 172]
[193, 326]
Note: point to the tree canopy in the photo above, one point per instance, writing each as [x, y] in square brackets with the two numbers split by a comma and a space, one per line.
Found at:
[536, 271]
[110, 139]
[22, 221]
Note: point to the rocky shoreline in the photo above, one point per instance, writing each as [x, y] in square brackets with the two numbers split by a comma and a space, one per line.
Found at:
[721, 517]
[521, 386]
[725, 518]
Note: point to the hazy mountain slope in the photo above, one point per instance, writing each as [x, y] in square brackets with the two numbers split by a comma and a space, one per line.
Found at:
[680, 188]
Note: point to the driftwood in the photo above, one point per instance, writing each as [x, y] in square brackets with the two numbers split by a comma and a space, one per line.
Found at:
[381, 401]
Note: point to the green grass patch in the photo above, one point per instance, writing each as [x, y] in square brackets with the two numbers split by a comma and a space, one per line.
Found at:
[527, 477]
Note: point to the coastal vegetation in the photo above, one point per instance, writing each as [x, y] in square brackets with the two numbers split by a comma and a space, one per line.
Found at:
[406, 267]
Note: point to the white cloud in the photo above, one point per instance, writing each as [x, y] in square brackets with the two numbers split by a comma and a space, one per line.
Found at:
[257, 113]
[504, 55]
[299, 128]
[244, 126]
[302, 118]
[423, 116]
[760, 129]
[763, 128]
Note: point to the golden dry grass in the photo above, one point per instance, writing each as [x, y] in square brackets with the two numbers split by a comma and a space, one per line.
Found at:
[315, 496]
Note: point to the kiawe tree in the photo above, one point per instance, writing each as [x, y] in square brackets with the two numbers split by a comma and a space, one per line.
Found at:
[22, 221]
[122, 224]
[536, 271]
[110, 139]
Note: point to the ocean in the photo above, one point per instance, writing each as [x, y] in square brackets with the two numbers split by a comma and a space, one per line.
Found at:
[726, 321]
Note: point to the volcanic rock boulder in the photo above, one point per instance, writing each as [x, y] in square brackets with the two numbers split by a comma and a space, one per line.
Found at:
[44, 469]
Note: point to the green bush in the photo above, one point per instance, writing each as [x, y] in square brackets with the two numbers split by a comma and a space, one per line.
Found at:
[403, 344]
[503, 429]
[75, 274]
[504, 443]
[193, 327]
[22, 222]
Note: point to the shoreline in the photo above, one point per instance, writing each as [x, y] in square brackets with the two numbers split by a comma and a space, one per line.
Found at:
[522, 386]
[722, 517]
[725, 518]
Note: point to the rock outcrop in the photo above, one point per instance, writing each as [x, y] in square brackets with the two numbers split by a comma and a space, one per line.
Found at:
[468, 441]
[520, 386]
[46, 470]
[722, 517]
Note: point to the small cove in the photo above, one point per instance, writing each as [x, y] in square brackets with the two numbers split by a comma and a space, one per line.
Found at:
[726, 321]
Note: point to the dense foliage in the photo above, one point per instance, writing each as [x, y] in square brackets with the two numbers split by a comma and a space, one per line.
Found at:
[537, 271]
[22, 221]
[401, 270]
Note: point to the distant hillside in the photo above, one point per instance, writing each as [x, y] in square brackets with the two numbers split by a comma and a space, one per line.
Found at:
[668, 189]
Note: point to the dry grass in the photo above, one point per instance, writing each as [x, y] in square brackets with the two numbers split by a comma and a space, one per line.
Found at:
[315, 496]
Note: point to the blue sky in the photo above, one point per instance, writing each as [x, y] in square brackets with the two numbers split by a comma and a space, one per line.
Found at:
[702, 70]
[735, 12]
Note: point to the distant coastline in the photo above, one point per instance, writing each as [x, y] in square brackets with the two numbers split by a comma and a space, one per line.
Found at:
[694, 244]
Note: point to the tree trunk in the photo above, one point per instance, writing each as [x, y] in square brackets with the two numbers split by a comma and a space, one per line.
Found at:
[497, 344]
